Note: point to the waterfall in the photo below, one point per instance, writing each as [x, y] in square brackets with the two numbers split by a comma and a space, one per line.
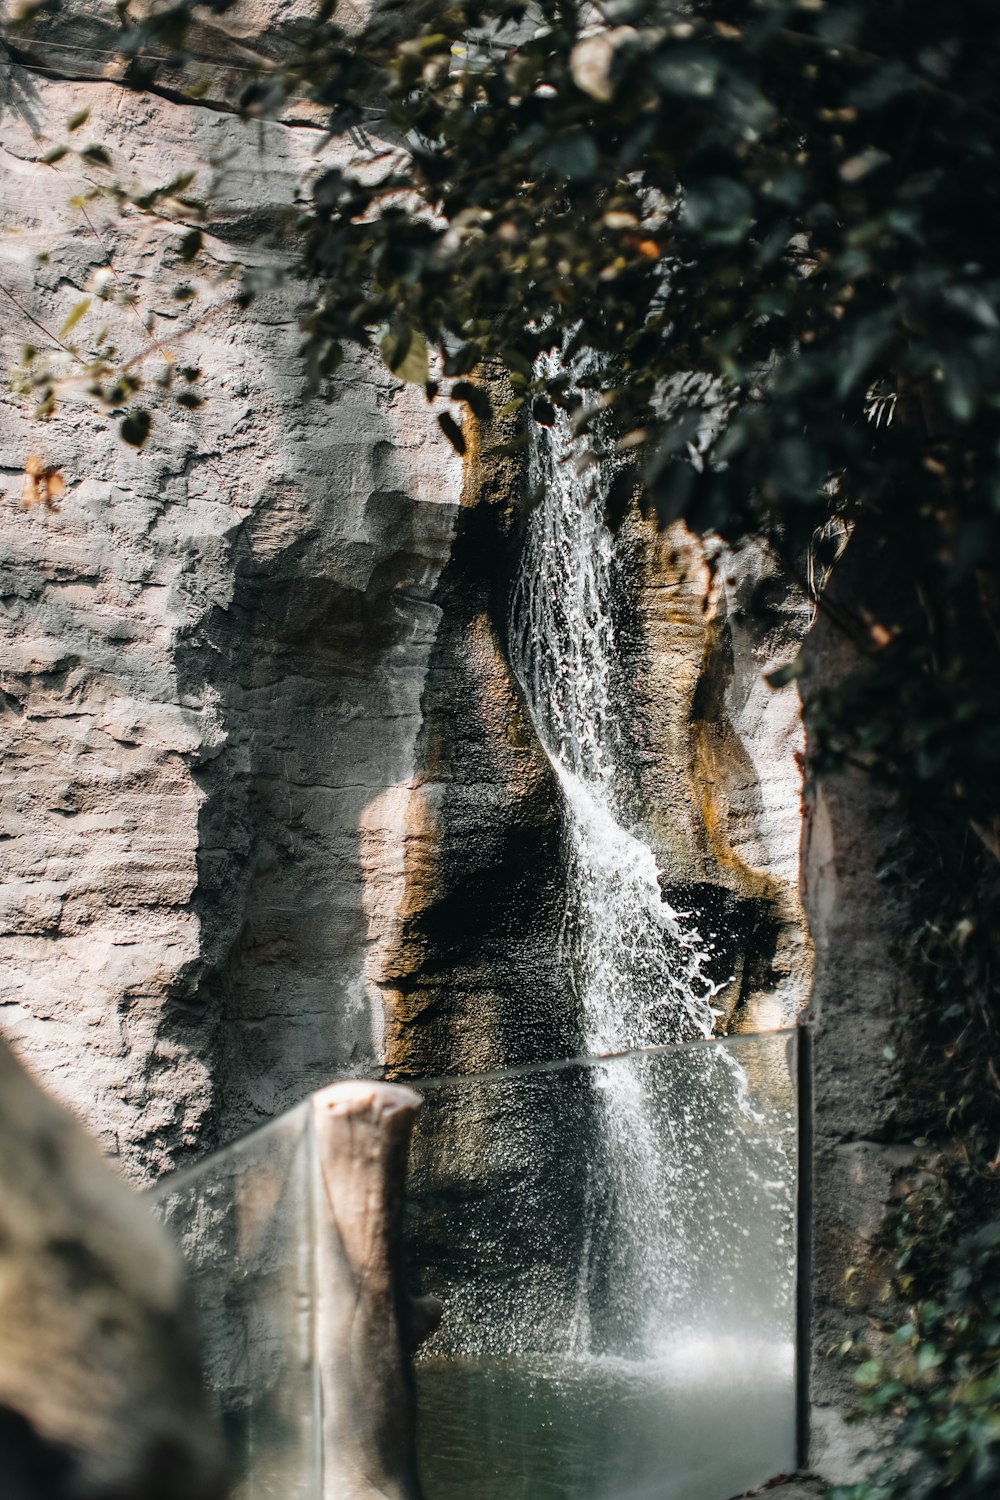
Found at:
[613, 1239]
[638, 967]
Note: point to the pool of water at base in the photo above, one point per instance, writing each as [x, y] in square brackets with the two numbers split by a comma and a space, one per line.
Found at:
[709, 1424]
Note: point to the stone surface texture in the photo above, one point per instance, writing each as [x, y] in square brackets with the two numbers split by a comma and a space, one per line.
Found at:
[470, 959]
[213, 654]
[862, 1115]
[719, 756]
[100, 1392]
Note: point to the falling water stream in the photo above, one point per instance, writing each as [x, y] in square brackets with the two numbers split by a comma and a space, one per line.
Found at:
[594, 1354]
[640, 969]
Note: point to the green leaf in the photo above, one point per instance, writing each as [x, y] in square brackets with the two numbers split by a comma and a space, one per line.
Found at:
[796, 469]
[508, 449]
[961, 387]
[865, 344]
[80, 118]
[123, 388]
[56, 154]
[452, 431]
[574, 155]
[404, 351]
[135, 427]
[880, 85]
[686, 74]
[719, 209]
[96, 156]
[782, 676]
[462, 361]
[971, 301]
[74, 317]
[864, 163]
[869, 1374]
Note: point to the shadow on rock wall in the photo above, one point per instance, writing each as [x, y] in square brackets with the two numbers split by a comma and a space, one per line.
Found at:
[316, 666]
[469, 969]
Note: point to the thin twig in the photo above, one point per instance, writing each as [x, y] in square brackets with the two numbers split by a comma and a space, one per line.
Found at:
[40, 326]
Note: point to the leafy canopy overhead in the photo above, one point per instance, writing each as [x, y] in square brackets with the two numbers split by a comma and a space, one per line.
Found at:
[775, 222]
[778, 224]
[798, 200]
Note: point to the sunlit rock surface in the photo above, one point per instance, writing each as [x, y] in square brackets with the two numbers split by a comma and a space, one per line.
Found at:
[213, 655]
[719, 757]
[466, 959]
[715, 761]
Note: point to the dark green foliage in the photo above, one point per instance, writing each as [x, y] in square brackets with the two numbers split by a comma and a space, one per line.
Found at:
[941, 1378]
[190, 245]
[452, 431]
[934, 1366]
[96, 156]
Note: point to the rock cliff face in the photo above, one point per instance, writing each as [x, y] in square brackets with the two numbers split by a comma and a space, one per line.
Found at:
[716, 767]
[863, 1114]
[213, 654]
[468, 965]
[272, 805]
[720, 758]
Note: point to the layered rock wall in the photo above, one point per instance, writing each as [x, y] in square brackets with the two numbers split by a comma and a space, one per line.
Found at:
[213, 653]
[719, 758]
[864, 1120]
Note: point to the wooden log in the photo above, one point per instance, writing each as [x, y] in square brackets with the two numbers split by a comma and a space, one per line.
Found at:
[367, 1326]
[100, 1392]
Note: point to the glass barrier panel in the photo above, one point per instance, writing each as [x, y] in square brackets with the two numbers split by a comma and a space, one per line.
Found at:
[614, 1244]
[244, 1220]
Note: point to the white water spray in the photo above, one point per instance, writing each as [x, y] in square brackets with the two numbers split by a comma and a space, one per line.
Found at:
[639, 968]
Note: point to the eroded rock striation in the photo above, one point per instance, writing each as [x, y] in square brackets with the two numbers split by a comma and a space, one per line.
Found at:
[213, 653]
